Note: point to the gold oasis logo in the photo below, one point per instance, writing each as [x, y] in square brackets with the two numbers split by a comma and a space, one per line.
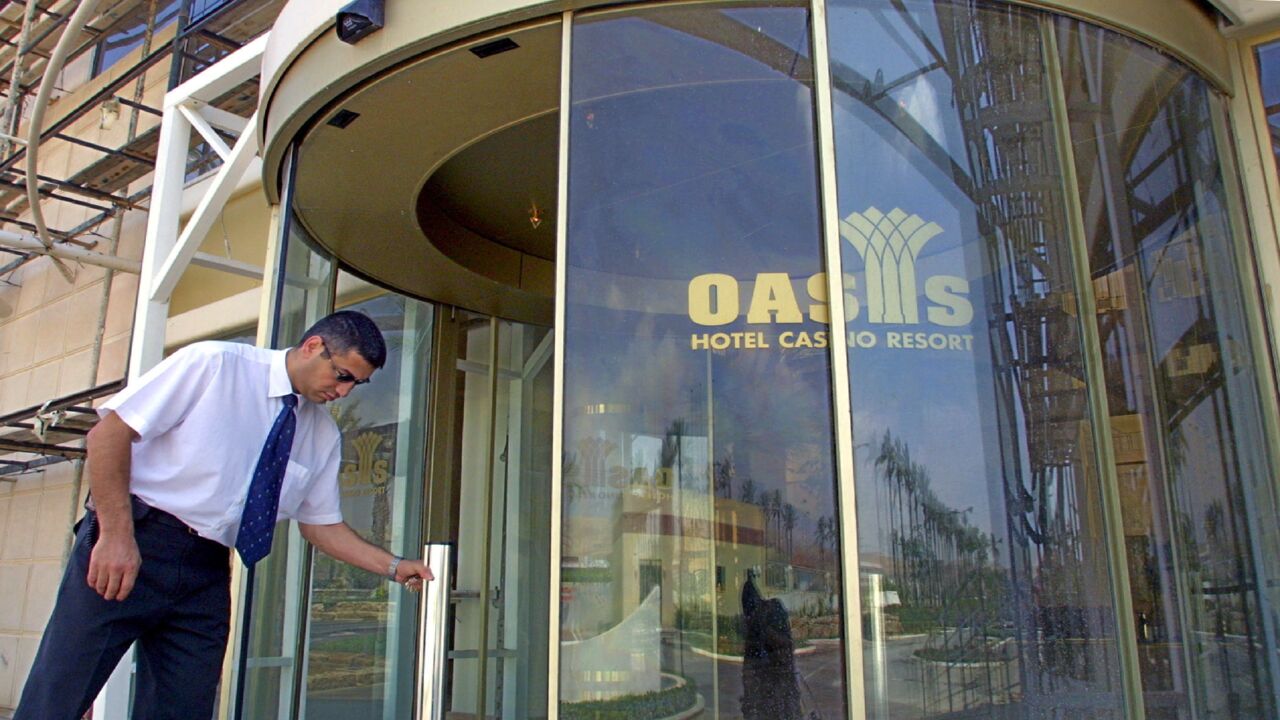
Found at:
[369, 474]
[889, 245]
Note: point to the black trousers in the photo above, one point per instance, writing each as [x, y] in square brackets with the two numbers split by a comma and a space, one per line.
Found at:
[178, 613]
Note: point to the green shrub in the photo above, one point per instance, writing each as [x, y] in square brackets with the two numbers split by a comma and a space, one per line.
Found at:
[648, 706]
[371, 644]
[917, 619]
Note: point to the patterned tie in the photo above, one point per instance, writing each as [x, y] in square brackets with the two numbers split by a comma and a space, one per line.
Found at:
[258, 522]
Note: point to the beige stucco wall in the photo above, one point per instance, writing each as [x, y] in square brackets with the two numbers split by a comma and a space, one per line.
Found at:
[45, 350]
[243, 228]
[48, 328]
[34, 524]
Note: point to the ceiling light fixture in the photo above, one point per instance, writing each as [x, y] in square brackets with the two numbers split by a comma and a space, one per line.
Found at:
[342, 119]
[494, 47]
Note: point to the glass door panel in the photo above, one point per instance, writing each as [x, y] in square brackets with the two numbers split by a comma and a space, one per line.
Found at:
[498, 494]
[1062, 482]
[982, 541]
[360, 639]
[270, 669]
[700, 565]
[521, 548]
[1184, 402]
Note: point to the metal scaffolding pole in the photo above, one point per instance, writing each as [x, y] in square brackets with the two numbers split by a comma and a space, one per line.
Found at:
[65, 251]
[13, 99]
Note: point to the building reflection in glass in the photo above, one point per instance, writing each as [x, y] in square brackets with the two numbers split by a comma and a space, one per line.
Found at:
[1003, 570]
[1179, 378]
[358, 625]
[982, 541]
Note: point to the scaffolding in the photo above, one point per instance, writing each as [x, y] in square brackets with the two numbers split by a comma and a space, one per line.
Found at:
[120, 175]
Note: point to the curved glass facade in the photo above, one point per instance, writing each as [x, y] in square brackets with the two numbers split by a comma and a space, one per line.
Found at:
[1036, 565]
[1064, 502]
[1049, 490]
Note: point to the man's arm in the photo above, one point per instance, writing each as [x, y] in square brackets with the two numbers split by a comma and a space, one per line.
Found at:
[114, 561]
[341, 542]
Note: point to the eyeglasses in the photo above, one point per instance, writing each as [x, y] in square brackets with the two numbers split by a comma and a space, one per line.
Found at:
[342, 376]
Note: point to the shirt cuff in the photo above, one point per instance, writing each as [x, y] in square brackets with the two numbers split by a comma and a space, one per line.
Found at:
[326, 519]
[136, 422]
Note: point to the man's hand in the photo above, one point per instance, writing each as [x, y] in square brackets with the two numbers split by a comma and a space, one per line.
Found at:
[114, 560]
[413, 573]
[113, 566]
[340, 541]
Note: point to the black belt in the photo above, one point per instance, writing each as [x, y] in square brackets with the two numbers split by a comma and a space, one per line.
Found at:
[160, 517]
[142, 511]
[164, 518]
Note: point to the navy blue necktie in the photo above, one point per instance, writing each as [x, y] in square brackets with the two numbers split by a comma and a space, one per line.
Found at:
[258, 522]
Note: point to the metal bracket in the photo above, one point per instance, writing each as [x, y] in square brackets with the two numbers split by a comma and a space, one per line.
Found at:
[46, 421]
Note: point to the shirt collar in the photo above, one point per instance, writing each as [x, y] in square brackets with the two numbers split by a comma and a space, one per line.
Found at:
[278, 385]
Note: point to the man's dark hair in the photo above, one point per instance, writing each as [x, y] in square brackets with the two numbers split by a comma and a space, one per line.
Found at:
[347, 330]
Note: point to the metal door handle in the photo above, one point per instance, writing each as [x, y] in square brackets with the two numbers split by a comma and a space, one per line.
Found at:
[433, 633]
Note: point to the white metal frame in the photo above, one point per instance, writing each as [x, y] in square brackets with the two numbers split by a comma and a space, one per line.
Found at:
[170, 248]
[557, 395]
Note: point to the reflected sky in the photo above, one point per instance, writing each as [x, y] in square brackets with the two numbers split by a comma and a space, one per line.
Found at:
[682, 187]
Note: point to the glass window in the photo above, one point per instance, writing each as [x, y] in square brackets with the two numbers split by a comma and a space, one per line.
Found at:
[1197, 495]
[698, 435]
[304, 294]
[502, 425]
[982, 541]
[200, 9]
[1269, 75]
[127, 33]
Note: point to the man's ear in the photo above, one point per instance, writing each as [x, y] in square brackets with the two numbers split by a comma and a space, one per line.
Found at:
[312, 346]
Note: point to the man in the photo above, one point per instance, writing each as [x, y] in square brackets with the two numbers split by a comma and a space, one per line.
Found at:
[769, 689]
[178, 473]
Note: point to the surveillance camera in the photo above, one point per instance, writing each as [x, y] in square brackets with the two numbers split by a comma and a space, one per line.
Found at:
[359, 18]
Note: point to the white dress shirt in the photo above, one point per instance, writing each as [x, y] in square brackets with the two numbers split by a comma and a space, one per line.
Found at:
[202, 416]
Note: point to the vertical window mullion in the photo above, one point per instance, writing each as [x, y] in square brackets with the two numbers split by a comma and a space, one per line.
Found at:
[557, 395]
[838, 347]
